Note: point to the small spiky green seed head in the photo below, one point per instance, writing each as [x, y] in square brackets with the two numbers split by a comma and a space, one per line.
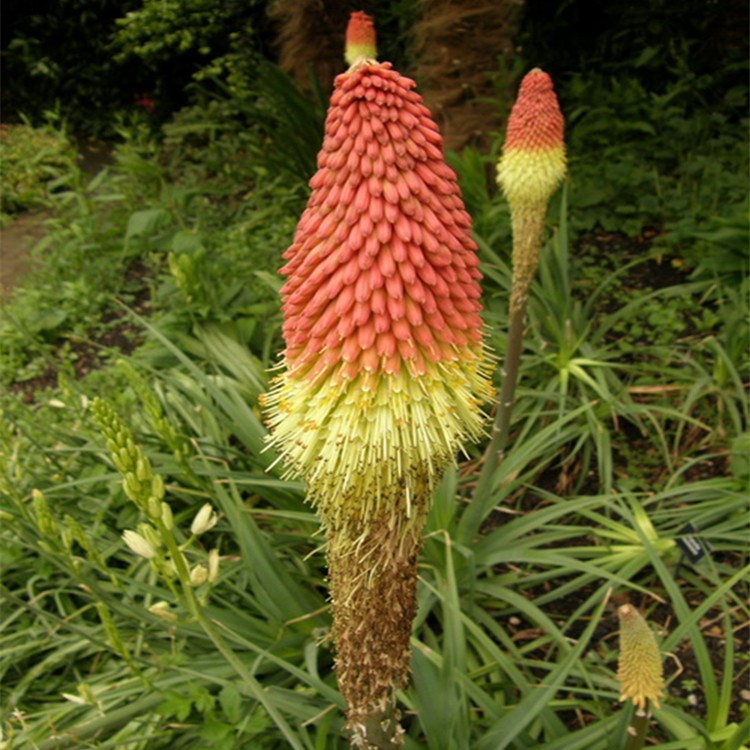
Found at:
[360, 39]
[533, 166]
[640, 669]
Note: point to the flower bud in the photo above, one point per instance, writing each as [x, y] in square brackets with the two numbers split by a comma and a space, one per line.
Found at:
[166, 516]
[533, 162]
[42, 514]
[138, 544]
[153, 507]
[142, 469]
[161, 609]
[213, 566]
[640, 668]
[157, 486]
[204, 520]
[198, 575]
[77, 699]
[360, 39]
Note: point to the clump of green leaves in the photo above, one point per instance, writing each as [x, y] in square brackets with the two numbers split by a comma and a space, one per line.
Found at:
[645, 157]
[36, 162]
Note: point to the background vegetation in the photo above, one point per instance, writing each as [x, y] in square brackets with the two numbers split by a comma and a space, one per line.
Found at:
[155, 288]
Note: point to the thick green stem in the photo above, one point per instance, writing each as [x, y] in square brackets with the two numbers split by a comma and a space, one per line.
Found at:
[637, 729]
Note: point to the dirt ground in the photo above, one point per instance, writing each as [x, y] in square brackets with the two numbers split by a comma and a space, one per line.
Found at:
[16, 240]
[20, 236]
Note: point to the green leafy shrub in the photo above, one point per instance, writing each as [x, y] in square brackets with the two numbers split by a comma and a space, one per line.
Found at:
[35, 162]
[642, 158]
[59, 54]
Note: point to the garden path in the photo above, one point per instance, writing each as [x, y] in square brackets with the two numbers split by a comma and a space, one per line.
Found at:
[24, 231]
[16, 240]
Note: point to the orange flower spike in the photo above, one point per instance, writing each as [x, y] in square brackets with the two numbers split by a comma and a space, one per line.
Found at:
[382, 249]
[533, 161]
[530, 170]
[385, 367]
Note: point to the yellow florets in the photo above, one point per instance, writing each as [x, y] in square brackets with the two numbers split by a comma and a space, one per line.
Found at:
[371, 444]
[531, 177]
[640, 668]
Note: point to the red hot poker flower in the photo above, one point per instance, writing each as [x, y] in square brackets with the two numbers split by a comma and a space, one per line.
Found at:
[384, 361]
[385, 368]
[533, 161]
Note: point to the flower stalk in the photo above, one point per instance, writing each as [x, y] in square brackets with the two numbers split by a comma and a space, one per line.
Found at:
[530, 170]
[146, 488]
[385, 365]
[639, 671]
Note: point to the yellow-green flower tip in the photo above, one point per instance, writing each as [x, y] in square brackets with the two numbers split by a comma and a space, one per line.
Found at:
[360, 39]
[640, 668]
[385, 366]
[533, 162]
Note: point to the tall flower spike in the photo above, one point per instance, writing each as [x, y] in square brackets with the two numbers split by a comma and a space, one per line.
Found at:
[385, 367]
[640, 668]
[530, 170]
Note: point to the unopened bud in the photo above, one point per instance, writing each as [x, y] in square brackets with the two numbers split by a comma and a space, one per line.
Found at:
[166, 516]
[77, 699]
[157, 486]
[142, 469]
[161, 609]
[198, 575]
[44, 520]
[138, 544]
[153, 507]
[204, 520]
[213, 566]
[131, 486]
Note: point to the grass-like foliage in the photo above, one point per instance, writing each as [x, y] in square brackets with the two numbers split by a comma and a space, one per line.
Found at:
[133, 359]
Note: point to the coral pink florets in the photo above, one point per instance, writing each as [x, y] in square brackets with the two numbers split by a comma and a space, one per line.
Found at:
[535, 121]
[383, 269]
[385, 367]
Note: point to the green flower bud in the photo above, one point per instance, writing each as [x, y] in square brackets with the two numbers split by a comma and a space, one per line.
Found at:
[198, 575]
[213, 566]
[42, 515]
[166, 516]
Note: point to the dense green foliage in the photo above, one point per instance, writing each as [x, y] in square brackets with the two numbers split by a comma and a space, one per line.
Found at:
[36, 161]
[57, 54]
[156, 291]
